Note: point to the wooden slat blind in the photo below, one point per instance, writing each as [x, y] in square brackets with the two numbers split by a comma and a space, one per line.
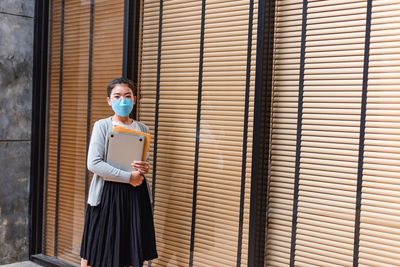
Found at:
[52, 148]
[329, 198]
[72, 141]
[284, 123]
[336, 42]
[221, 126]
[380, 209]
[221, 135]
[246, 210]
[68, 86]
[177, 119]
[107, 53]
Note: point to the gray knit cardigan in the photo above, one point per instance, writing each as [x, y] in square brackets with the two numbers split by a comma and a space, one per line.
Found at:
[95, 159]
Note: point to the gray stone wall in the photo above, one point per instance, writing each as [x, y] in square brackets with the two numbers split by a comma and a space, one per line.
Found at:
[16, 52]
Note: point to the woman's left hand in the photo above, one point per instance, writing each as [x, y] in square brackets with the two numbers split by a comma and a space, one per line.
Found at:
[141, 166]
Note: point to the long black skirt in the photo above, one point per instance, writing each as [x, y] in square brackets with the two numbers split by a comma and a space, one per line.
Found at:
[119, 231]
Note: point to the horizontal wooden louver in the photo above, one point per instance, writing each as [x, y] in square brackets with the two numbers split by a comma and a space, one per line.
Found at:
[323, 202]
[284, 123]
[177, 119]
[330, 135]
[221, 129]
[246, 210]
[108, 28]
[380, 205]
[53, 92]
[221, 134]
[65, 206]
[73, 141]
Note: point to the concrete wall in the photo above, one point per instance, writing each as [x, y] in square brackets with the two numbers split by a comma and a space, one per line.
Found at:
[16, 53]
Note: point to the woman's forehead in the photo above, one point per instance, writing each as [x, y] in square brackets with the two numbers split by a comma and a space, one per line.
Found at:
[121, 89]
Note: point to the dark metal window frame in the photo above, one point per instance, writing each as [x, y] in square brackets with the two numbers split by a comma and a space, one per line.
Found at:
[39, 94]
[39, 113]
[261, 130]
[261, 133]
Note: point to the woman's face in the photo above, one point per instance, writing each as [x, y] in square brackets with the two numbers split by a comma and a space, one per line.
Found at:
[121, 91]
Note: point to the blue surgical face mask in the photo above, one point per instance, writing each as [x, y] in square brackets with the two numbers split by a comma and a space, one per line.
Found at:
[123, 106]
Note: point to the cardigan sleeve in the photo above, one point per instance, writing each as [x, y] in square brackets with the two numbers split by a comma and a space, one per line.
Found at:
[95, 158]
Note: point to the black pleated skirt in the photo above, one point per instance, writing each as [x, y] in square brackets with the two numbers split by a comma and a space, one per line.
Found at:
[119, 231]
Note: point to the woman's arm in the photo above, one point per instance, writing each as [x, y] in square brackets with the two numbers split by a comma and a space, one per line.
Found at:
[95, 158]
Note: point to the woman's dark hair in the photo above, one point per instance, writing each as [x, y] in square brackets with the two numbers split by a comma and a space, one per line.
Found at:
[121, 80]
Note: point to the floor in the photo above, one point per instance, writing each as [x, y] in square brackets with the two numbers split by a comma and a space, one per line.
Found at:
[22, 264]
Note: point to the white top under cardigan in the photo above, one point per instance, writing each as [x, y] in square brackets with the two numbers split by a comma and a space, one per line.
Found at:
[95, 159]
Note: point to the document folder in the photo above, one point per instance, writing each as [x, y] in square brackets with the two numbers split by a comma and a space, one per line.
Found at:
[125, 146]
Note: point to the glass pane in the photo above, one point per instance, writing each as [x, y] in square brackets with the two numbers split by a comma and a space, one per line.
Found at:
[218, 240]
[74, 75]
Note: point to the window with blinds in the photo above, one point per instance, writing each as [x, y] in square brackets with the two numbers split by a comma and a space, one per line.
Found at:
[66, 110]
[226, 59]
[336, 75]
[193, 83]
[287, 46]
[172, 80]
[380, 203]
[85, 54]
[333, 187]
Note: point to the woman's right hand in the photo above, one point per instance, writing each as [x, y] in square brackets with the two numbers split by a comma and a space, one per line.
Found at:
[136, 178]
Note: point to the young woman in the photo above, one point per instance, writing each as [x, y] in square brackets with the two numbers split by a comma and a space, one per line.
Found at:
[119, 229]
